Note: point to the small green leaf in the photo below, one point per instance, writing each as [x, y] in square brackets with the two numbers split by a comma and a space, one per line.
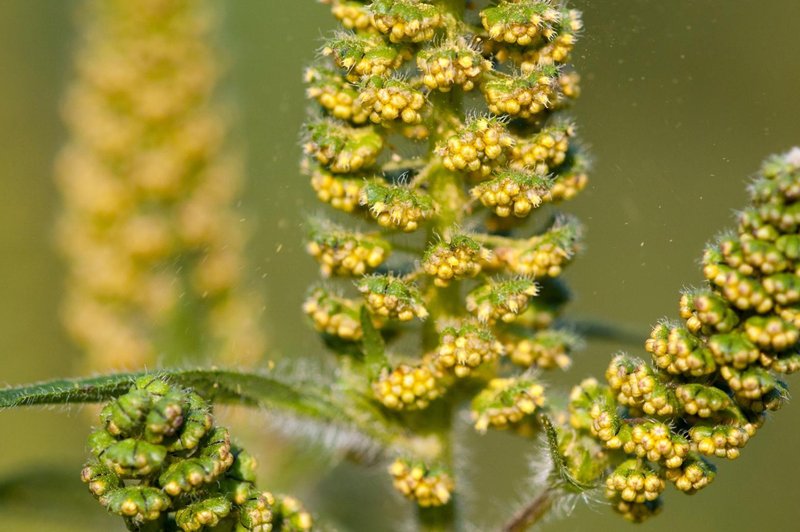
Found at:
[374, 346]
[561, 473]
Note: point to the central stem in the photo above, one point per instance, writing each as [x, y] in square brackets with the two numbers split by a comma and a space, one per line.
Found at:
[447, 191]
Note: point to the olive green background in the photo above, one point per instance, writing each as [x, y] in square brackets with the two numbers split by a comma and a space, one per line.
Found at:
[682, 99]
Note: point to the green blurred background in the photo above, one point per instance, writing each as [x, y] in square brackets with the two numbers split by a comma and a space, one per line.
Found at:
[681, 101]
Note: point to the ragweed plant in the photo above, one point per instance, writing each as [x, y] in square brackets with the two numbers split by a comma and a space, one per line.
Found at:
[152, 241]
[439, 132]
[439, 128]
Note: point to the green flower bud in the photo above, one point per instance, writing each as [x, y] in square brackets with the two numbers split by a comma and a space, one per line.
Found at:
[257, 512]
[750, 384]
[125, 415]
[136, 503]
[165, 417]
[789, 245]
[733, 349]
[585, 460]
[133, 458]
[706, 312]
[204, 513]
[771, 332]
[100, 479]
[678, 351]
[701, 400]
[782, 364]
[213, 459]
[741, 291]
[294, 518]
[723, 441]
[197, 422]
[783, 287]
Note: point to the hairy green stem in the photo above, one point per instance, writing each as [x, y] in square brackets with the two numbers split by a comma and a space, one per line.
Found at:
[530, 514]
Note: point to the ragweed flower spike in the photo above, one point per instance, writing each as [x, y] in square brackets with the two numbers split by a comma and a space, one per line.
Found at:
[713, 379]
[159, 457]
[394, 142]
[148, 226]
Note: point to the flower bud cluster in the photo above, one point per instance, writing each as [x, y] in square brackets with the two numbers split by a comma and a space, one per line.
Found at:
[478, 147]
[391, 99]
[343, 193]
[520, 23]
[341, 253]
[405, 20]
[396, 206]
[408, 387]
[149, 226]
[334, 315]
[513, 192]
[159, 455]
[392, 298]
[502, 300]
[427, 486]
[352, 14]
[449, 190]
[634, 490]
[460, 257]
[335, 95]
[546, 349]
[463, 349]
[451, 64]
[342, 149]
[546, 254]
[544, 151]
[506, 402]
[526, 96]
[714, 378]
